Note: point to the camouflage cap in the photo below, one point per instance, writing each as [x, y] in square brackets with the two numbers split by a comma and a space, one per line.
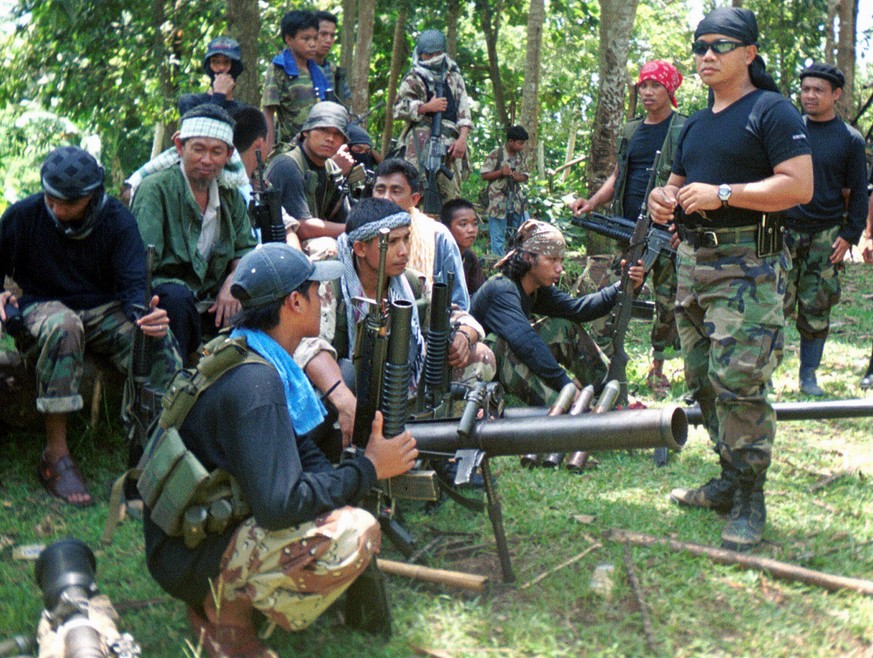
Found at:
[327, 114]
[430, 41]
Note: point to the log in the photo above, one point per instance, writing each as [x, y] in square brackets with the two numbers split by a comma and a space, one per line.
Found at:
[440, 576]
[777, 569]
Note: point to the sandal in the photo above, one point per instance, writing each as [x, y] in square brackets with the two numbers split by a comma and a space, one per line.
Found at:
[227, 641]
[63, 480]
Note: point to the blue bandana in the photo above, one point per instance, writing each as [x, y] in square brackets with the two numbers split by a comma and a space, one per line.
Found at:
[285, 61]
[304, 407]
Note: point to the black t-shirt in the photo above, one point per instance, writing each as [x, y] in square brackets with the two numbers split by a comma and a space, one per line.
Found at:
[241, 424]
[647, 139]
[838, 161]
[740, 144]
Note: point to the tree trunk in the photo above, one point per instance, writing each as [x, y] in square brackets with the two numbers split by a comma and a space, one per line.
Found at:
[830, 31]
[244, 25]
[398, 57]
[164, 33]
[571, 145]
[530, 105]
[361, 63]
[347, 41]
[453, 11]
[848, 13]
[616, 24]
[489, 21]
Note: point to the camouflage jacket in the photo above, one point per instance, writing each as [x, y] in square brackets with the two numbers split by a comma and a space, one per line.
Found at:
[504, 191]
[292, 96]
[415, 89]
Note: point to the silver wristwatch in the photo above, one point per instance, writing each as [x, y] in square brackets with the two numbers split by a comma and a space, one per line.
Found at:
[724, 194]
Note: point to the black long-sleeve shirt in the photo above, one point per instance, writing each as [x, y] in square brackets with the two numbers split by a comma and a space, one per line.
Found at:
[504, 308]
[107, 265]
[838, 162]
[241, 424]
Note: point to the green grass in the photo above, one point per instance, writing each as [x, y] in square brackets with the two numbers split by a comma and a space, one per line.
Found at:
[697, 608]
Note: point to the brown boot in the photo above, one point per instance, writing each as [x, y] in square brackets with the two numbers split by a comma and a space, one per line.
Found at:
[222, 641]
[657, 381]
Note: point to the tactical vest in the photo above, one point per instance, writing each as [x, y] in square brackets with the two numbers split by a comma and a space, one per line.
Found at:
[183, 497]
[328, 207]
[668, 148]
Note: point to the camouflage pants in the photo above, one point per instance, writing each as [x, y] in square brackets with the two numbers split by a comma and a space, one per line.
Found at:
[813, 283]
[729, 316]
[293, 575]
[665, 336]
[571, 346]
[61, 337]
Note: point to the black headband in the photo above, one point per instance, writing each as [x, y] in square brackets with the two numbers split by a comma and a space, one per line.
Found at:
[736, 22]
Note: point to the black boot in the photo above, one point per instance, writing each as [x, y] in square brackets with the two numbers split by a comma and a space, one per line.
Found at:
[867, 380]
[748, 515]
[717, 494]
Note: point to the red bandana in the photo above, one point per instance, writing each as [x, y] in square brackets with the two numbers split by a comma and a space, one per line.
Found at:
[663, 72]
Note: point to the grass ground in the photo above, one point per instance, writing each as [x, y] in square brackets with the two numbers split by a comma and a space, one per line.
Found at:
[819, 504]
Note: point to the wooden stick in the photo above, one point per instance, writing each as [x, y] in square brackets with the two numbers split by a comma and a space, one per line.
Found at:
[440, 576]
[648, 629]
[776, 568]
[576, 558]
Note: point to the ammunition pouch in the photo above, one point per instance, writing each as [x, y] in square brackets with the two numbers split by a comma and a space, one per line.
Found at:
[183, 497]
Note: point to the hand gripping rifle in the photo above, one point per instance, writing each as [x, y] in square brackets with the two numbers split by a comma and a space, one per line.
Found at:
[143, 401]
[619, 228]
[433, 158]
[621, 312]
[265, 208]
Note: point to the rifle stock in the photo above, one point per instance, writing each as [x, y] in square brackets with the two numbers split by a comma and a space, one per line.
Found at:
[265, 209]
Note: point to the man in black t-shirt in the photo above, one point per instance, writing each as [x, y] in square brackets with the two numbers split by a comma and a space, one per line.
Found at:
[738, 161]
[819, 233]
[638, 141]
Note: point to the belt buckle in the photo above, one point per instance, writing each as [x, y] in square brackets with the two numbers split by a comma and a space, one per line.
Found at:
[709, 238]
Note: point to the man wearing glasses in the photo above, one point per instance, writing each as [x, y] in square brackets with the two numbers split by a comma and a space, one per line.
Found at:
[738, 164]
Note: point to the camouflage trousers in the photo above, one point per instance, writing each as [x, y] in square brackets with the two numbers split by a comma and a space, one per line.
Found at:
[665, 336]
[729, 316]
[60, 337]
[813, 284]
[293, 575]
[571, 346]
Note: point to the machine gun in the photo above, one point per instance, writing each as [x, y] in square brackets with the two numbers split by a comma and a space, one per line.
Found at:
[433, 158]
[621, 312]
[265, 208]
[619, 228]
[476, 440]
[77, 621]
[143, 401]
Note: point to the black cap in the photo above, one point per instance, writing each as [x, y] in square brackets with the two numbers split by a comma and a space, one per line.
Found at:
[272, 271]
[824, 71]
[70, 173]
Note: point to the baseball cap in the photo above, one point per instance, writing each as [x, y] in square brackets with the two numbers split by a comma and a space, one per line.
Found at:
[274, 270]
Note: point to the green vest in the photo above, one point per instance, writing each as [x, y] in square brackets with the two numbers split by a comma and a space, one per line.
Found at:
[332, 201]
[668, 148]
[183, 497]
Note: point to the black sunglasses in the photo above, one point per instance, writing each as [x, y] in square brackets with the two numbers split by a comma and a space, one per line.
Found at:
[719, 47]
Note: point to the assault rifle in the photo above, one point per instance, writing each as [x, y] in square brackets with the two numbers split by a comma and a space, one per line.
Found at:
[433, 158]
[143, 401]
[619, 228]
[265, 208]
[621, 312]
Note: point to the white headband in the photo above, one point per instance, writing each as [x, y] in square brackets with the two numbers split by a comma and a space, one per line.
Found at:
[206, 127]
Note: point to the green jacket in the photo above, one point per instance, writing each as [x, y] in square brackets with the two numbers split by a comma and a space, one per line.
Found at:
[169, 218]
[621, 154]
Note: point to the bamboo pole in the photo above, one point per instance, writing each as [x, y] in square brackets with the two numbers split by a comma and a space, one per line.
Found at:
[777, 569]
[440, 576]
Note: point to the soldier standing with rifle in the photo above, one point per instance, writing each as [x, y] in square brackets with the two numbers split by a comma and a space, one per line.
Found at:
[504, 172]
[737, 165]
[637, 142]
[433, 94]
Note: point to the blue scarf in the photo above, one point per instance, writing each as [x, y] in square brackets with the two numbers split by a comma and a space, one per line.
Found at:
[285, 61]
[304, 407]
